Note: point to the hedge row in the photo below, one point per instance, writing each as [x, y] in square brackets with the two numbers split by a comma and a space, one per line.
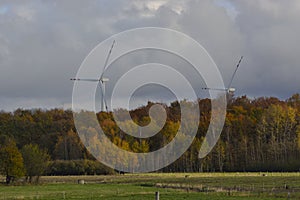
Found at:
[77, 167]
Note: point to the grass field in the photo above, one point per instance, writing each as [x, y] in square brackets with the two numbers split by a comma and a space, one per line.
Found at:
[171, 186]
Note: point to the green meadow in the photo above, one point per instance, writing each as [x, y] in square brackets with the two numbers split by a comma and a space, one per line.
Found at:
[169, 185]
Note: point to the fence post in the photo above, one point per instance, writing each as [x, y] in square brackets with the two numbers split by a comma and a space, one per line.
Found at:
[156, 195]
[64, 195]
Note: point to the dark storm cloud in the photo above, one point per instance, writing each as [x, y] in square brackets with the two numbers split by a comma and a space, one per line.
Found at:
[270, 30]
[42, 43]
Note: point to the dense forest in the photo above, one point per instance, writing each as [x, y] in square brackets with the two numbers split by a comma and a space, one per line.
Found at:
[261, 134]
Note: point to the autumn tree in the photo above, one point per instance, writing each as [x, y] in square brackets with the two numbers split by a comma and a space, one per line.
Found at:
[259, 134]
[277, 134]
[35, 161]
[11, 160]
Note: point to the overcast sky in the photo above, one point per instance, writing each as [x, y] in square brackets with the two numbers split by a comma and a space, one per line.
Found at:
[43, 43]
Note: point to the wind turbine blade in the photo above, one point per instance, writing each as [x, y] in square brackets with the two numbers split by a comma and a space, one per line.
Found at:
[107, 58]
[233, 75]
[219, 89]
[85, 79]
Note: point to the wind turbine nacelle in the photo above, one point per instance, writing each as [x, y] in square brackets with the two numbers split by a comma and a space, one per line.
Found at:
[231, 90]
[104, 79]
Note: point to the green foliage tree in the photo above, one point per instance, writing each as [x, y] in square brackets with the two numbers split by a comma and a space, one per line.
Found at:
[11, 160]
[35, 161]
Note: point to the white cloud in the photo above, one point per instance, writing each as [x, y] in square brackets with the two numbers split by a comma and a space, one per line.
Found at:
[25, 13]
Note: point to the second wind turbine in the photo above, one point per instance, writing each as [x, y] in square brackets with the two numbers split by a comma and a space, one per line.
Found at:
[102, 80]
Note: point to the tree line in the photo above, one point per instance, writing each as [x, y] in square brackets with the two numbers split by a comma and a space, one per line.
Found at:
[261, 134]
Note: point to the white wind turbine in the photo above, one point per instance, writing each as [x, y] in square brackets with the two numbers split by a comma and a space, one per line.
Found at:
[102, 80]
[229, 89]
